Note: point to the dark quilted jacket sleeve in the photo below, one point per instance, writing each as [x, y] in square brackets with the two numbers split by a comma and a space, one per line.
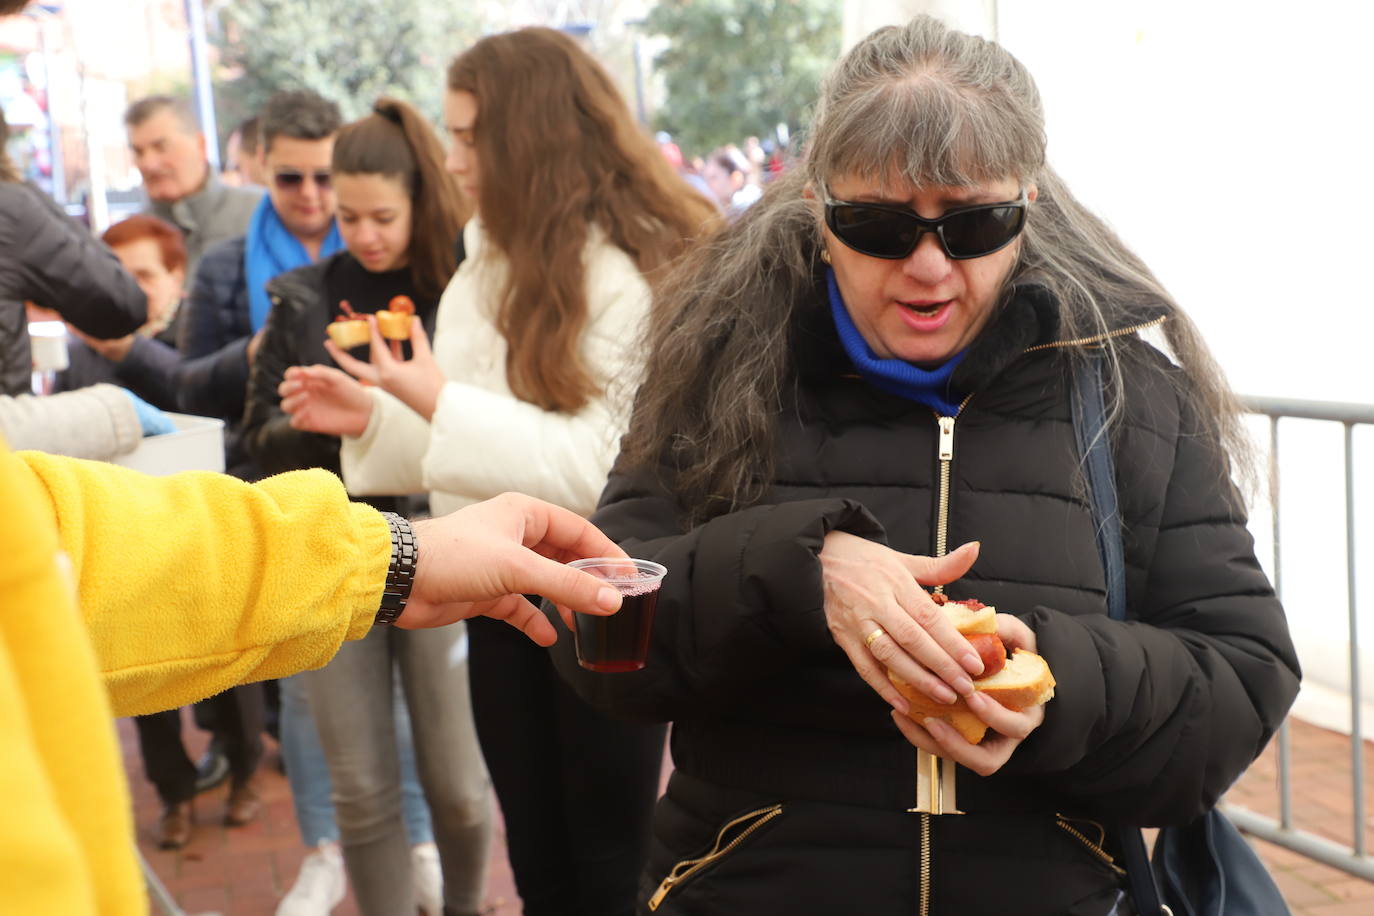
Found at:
[150, 371]
[55, 262]
[274, 444]
[1153, 719]
[214, 336]
[742, 599]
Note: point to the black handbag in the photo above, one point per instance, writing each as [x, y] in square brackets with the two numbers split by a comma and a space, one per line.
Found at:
[1205, 868]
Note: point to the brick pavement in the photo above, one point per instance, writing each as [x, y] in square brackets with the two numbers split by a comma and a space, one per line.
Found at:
[1322, 804]
[244, 871]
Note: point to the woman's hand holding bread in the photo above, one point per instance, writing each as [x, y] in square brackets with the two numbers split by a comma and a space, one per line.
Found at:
[416, 382]
[981, 730]
[882, 618]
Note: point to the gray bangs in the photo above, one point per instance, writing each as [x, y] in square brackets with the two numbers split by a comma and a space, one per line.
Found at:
[925, 106]
[922, 132]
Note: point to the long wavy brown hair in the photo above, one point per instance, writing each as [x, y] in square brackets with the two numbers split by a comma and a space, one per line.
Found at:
[560, 153]
[396, 141]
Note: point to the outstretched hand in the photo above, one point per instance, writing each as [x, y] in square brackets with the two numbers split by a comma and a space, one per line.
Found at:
[321, 399]
[415, 382]
[482, 560]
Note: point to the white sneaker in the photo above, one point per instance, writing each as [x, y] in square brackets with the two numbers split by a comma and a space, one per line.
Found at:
[429, 878]
[320, 884]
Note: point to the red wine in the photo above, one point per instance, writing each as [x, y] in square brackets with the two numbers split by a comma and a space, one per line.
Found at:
[619, 642]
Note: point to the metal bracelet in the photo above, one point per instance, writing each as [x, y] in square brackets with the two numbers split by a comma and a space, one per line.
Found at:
[400, 575]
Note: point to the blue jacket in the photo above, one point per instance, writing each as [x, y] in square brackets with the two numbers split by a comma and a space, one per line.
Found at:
[215, 334]
[149, 369]
[213, 376]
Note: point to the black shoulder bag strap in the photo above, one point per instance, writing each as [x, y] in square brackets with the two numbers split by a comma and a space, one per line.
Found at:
[1094, 445]
[1089, 427]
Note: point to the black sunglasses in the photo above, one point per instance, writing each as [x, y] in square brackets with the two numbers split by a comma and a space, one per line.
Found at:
[892, 232]
[291, 180]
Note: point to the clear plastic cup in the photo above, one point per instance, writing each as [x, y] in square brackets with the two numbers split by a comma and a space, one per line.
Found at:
[619, 642]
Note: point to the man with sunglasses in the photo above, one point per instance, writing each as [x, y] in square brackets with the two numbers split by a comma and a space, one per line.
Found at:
[291, 226]
[169, 151]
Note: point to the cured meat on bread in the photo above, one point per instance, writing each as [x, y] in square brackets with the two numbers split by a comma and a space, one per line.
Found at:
[348, 333]
[394, 320]
[349, 330]
[1017, 682]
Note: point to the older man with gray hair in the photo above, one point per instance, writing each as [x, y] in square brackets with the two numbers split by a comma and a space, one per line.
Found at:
[169, 151]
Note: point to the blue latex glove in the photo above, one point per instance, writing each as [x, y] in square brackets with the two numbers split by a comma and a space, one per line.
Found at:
[153, 421]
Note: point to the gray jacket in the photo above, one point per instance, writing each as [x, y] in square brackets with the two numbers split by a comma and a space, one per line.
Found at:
[97, 422]
[213, 214]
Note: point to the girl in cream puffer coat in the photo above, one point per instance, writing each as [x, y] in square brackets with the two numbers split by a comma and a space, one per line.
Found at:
[535, 358]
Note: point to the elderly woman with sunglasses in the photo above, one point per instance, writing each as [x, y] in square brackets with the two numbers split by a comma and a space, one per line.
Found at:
[871, 368]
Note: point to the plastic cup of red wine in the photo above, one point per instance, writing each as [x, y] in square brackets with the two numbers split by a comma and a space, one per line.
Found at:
[619, 642]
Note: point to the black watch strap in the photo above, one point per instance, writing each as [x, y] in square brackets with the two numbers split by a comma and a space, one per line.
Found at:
[400, 575]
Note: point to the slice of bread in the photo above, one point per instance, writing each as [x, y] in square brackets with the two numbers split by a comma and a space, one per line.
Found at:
[1025, 681]
[349, 334]
[969, 620]
[394, 325]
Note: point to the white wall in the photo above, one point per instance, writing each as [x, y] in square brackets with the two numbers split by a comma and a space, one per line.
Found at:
[1230, 144]
[863, 16]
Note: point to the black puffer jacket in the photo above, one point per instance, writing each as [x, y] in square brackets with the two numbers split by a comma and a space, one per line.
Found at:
[1152, 719]
[294, 336]
[47, 257]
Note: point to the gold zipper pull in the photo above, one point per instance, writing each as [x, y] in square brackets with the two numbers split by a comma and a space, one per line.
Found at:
[688, 867]
[936, 782]
[946, 438]
[658, 896]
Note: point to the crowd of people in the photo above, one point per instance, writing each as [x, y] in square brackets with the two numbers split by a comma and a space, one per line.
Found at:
[749, 373]
[732, 176]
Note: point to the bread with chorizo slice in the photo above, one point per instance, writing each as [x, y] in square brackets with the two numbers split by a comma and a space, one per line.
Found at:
[1024, 680]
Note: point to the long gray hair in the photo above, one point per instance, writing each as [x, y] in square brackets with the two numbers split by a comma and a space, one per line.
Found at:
[921, 105]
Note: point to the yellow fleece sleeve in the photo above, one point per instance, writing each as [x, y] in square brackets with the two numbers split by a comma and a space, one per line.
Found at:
[193, 583]
[66, 834]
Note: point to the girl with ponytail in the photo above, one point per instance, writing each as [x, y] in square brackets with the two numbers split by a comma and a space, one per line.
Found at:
[528, 389]
[400, 216]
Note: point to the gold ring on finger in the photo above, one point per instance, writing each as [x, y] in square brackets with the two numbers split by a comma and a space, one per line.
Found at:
[868, 640]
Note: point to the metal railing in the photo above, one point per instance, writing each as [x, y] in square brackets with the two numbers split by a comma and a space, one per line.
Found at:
[1353, 859]
[159, 897]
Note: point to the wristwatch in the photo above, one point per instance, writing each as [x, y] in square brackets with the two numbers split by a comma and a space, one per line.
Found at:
[400, 575]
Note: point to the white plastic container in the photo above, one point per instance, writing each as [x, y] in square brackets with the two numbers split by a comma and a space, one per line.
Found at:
[197, 445]
[48, 340]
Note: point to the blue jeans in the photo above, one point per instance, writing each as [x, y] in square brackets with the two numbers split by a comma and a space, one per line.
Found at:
[308, 773]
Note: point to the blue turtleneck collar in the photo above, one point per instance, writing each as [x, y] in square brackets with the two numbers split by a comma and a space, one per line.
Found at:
[928, 387]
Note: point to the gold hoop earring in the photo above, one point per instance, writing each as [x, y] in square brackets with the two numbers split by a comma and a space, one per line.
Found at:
[825, 255]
